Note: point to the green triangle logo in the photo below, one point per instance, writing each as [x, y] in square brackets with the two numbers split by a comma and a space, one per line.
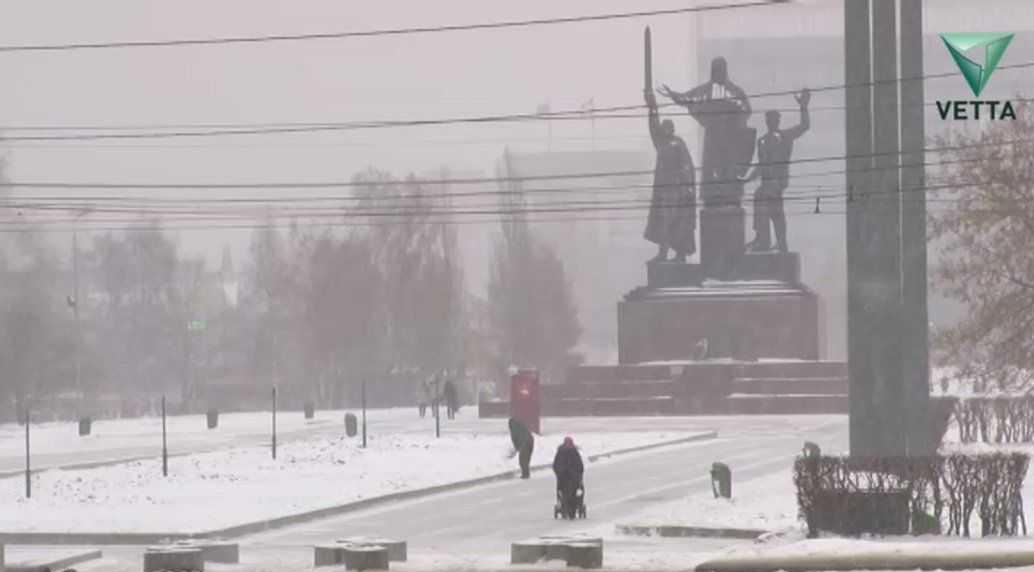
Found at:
[977, 75]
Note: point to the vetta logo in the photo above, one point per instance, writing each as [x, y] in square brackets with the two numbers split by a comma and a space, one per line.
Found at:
[977, 74]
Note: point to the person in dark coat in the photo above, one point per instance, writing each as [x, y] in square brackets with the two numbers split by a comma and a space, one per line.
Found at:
[452, 400]
[523, 444]
[567, 466]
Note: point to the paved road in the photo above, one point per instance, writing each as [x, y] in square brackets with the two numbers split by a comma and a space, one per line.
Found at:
[484, 521]
[474, 527]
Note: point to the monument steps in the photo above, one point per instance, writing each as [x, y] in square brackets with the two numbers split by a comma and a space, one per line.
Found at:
[619, 373]
[790, 385]
[610, 390]
[610, 407]
[785, 404]
[791, 368]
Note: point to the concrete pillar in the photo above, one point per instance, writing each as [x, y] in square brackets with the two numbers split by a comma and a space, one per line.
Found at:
[858, 130]
[887, 324]
[915, 317]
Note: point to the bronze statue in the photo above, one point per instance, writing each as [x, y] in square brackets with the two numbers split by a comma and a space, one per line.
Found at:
[775, 149]
[672, 220]
[722, 108]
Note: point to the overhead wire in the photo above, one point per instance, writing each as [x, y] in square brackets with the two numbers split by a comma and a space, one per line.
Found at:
[383, 32]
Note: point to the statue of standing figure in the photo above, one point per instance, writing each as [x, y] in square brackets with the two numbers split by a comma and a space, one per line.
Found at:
[672, 220]
[722, 108]
[775, 149]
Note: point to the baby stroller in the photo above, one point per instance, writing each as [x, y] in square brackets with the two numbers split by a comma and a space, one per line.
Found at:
[570, 503]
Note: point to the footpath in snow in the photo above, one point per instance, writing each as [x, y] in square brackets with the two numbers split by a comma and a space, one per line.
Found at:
[220, 489]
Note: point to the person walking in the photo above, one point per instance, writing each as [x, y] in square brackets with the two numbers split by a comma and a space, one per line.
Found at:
[568, 468]
[451, 398]
[523, 446]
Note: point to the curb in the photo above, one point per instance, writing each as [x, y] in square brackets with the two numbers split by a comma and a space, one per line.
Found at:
[102, 538]
[672, 531]
[55, 564]
[930, 560]
[112, 462]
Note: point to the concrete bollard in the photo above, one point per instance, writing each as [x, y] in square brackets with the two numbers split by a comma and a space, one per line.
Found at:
[212, 417]
[585, 555]
[527, 552]
[218, 551]
[85, 424]
[396, 548]
[310, 410]
[178, 559]
[365, 557]
[351, 425]
[328, 555]
[577, 551]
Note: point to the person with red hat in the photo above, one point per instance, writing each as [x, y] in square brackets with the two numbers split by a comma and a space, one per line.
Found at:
[568, 468]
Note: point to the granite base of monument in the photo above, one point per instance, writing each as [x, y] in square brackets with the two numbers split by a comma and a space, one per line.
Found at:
[761, 311]
[722, 241]
[745, 321]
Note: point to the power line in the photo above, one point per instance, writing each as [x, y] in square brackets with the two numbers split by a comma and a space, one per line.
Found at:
[453, 181]
[287, 128]
[382, 32]
[572, 207]
[77, 202]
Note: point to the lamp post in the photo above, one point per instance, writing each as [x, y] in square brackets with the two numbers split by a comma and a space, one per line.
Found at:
[74, 301]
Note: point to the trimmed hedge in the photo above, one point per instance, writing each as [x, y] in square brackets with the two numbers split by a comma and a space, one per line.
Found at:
[995, 419]
[921, 495]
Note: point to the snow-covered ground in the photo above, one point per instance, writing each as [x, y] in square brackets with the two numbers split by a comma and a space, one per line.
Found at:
[765, 503]
[220, 489]
[54, 438]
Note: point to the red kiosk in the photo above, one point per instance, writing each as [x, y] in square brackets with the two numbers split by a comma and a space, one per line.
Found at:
[525, 399]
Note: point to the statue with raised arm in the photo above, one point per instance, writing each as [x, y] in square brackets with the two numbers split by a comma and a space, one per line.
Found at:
[775, 149]
[672, 219]
[722, 108]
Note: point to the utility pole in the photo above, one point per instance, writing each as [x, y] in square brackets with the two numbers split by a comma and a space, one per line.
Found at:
[28, 468]
[437, 404]
[75, 310]
[165, 443]
[363, 398]
[274, 422]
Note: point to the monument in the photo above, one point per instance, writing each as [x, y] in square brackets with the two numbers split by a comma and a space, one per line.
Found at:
[741, 304]
[737, 332]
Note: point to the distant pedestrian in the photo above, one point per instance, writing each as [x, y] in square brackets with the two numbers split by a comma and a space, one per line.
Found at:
[523, 445]
[452, 400]
[424, 397]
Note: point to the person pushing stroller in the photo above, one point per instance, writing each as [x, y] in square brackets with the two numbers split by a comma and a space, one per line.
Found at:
[568, 468]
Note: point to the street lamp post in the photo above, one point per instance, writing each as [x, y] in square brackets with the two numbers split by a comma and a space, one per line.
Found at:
[74, 302]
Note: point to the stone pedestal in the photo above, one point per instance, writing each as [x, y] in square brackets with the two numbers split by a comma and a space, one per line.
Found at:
[779, 266]
[673, 274]
[722, 240]
[740, 320]
[761, 311]
[157, 559]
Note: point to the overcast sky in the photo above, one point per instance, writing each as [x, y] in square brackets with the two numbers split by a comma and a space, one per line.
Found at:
[397, 77]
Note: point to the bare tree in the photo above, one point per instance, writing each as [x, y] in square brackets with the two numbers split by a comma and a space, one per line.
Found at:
[416, 249]
[531, 308]
[983, 220]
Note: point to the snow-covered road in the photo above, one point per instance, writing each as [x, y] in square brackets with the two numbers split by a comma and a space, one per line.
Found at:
[457, 529]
